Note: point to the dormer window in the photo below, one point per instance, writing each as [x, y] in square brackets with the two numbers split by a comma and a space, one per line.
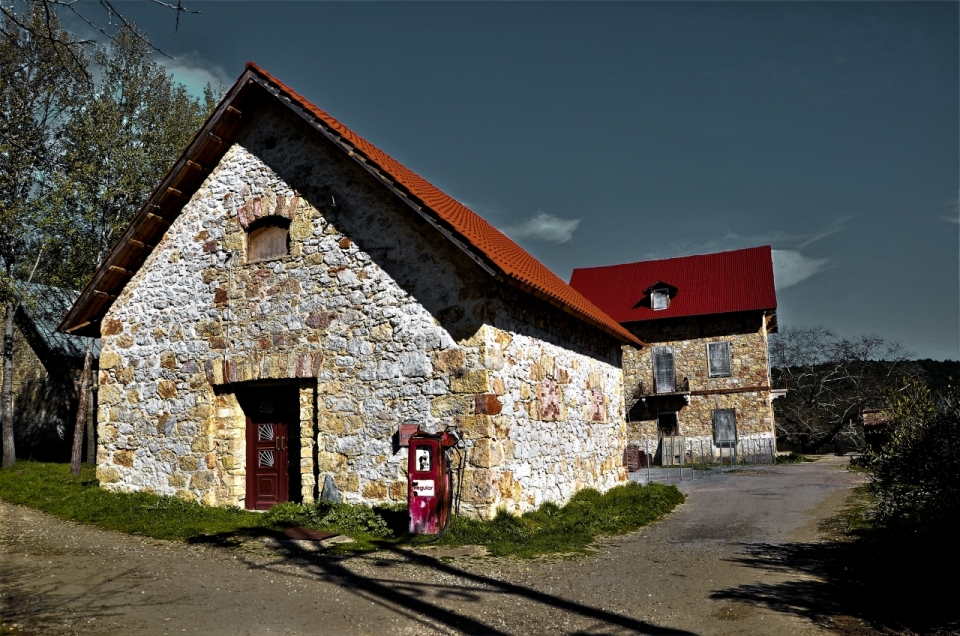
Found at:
[659, 295]
[268, 238]
[660, 299]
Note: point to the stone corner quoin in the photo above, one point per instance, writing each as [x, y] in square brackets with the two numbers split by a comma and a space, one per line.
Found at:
[373, 318]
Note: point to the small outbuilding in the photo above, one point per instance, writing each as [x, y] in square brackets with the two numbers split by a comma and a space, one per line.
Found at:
[290, 295]
[46, 375]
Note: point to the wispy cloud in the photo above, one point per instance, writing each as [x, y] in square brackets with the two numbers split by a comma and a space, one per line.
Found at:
[195, 73]
[953, 211]
[543, 227]
[790, 267]
[730, 240]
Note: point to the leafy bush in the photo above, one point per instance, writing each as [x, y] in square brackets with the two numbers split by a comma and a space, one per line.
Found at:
[916, 474]
[326, 515]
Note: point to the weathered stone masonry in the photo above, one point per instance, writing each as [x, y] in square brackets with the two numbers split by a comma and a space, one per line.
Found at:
[375, 316]
[746, 389]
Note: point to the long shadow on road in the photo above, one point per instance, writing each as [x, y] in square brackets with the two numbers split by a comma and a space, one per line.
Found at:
[861, 585]
[422, 600]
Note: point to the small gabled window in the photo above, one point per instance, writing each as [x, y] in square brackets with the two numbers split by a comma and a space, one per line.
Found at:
[268, 239]
[718, 359]
[659, 299]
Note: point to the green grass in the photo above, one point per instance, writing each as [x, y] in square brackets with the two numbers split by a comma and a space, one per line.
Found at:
[52, 489]
[853, 518]
[794, 458]
[549, 530]
[572, 528]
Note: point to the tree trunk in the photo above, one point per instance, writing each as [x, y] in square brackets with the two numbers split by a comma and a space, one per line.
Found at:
[82, 410]
[92, 430]
[6, 399]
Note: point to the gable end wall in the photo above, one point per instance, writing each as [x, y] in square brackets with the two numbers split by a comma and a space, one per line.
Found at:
[375, 316]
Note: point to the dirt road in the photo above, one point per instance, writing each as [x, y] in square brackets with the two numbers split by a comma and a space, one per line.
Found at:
[693, 573]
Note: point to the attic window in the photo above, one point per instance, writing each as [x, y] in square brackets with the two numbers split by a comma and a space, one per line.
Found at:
[660, 298]
[267, 239]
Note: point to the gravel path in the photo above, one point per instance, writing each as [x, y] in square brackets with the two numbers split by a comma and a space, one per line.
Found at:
[679, 576]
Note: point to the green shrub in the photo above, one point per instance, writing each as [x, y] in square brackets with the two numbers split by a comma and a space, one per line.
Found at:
[915, 476]
[326, 515]
[349, 519]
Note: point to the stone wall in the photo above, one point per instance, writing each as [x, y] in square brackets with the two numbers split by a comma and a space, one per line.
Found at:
[376, 316]
[746, 389]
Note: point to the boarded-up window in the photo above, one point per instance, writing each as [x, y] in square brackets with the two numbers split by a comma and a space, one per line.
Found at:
[269, 239]
[664, 373]
[659, 299]
[718, 359]
[724, 427]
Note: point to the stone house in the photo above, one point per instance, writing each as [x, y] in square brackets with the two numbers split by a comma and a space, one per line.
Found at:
[705, 376]
[289, 295]
[46, 374]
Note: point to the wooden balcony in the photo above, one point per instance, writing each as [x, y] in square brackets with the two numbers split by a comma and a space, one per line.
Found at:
[643, 390]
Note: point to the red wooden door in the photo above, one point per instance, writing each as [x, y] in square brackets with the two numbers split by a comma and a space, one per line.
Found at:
[267, 464]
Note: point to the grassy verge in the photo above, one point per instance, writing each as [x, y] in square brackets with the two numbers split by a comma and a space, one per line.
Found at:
[52, 489]
[853, 519]
[795, 458]
[550, 529]
[571, 528]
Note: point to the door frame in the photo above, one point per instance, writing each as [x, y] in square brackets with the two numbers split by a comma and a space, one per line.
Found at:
[284, 411]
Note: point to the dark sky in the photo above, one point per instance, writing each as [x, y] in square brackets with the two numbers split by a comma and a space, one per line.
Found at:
[599, 133]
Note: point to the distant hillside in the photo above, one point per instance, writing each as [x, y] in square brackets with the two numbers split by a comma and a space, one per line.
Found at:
[940, 373]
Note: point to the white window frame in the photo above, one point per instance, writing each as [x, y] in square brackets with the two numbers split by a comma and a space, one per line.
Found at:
[711, 345]
[661, 293]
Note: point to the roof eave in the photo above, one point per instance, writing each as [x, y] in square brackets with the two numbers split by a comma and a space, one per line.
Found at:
[162, 206]
[86, 313]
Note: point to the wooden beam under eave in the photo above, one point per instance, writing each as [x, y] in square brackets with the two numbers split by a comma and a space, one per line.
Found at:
[77, 327]
[197, 166]
[113, 269]
[159, 219]
[102, 294]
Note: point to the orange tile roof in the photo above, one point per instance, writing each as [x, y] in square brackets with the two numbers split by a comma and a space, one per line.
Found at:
[514, 261]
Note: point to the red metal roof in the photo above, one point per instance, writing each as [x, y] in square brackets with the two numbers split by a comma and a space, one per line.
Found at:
[739, 280]
[513, 260]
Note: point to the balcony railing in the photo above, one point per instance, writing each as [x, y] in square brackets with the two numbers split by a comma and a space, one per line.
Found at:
[681, 386]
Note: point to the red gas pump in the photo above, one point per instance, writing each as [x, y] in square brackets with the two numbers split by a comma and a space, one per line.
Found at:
[429, 482]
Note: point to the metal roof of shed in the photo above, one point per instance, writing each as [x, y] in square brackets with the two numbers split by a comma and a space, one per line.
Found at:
[45, 308]
[723, 282]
